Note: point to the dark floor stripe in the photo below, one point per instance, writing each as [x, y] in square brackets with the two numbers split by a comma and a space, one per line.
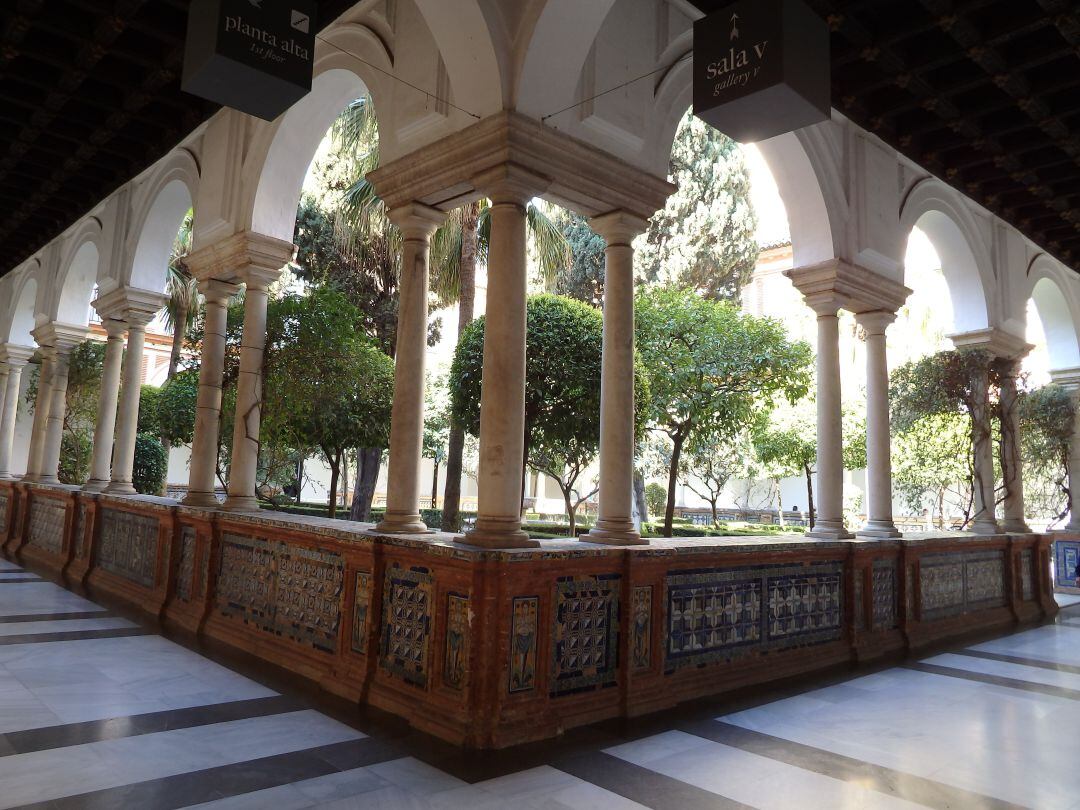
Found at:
[885, 780]
[996, 680]
[50, 737]
[196, 787]
[644, 786]
[55, 617]
[1019, 659]
[72, 635]
[21, 578]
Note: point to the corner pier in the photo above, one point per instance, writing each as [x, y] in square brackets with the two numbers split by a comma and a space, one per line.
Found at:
[490, 648]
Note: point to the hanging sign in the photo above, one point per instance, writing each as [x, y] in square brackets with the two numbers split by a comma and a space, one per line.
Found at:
[255, 56]
[761, 68]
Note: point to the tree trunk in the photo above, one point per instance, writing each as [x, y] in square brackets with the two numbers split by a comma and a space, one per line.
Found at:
[335, 473]
[779, 503]
[669, 512]
[367, 473]
[712, 505]
[299, 479]
[571, 512]
[179, 328]
[809, 495]
[639, 496]
[435, 486]
[451, 516]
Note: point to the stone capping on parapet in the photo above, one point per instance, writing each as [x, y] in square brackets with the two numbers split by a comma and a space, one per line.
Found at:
[444, 174]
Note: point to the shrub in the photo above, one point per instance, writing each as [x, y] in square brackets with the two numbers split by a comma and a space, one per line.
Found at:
[176, 407]
[75, 450]
[655, 499]
[150, 410]
[151, 465]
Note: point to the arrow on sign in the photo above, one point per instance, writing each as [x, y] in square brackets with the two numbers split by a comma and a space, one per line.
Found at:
[734, 26]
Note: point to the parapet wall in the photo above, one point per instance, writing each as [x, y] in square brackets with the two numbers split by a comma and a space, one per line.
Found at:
[493, 648]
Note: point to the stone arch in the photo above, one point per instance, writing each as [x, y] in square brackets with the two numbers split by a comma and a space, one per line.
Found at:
[281, 151]
[934, 208]
[21, 318]
[475, 66]
[158, 210]
[1047, 286]
[78, 274]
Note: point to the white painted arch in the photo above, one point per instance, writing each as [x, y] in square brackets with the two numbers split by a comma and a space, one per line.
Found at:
[1049, 288]
[78, 273]
[158, 210]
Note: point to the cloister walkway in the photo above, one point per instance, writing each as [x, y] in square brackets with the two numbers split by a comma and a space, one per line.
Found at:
[97, 711]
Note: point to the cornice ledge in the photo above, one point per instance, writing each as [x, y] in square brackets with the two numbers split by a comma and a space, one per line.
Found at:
[229, 259]
[1001, 344]
[132, 305]
[855, 288]
[60, 335]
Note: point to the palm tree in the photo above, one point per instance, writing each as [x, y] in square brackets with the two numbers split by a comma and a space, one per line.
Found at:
[183, 292]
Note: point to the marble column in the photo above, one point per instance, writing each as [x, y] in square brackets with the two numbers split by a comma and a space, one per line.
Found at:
[829, 522]
[245, 445]
[878, 434]
[614, 523]
[1012, 470]
[204, 447]
[100, 460]
[984, 521]
[16, 360]
[502, 396]
[127, 419]
[54, 426]
[417, 223]
[41, 416]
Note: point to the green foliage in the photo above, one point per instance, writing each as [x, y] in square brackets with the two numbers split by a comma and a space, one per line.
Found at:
[176, 407]
[931, 462]
[655, 498]
[583, 278]
[704, 237]
[150, 409]
[76, 448]
[938, 385]
[1047, 417]
[151, 465]
[436, 422]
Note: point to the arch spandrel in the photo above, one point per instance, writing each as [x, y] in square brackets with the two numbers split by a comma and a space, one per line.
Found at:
[78, 273]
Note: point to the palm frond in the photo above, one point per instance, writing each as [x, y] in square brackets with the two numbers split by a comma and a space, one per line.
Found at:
[552, 249]
[445, 258]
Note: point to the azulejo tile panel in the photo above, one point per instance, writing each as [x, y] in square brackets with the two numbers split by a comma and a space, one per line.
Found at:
[1066, 558]
[585, 633]
[361, 611]
[77, 539]
[5, 502]
[129, 546]
[860, 608]
[185, 574]
[456, 656]
[287, 590]
[1027, 574]
[46, 529]
[719, 614]
[641, 628]
[957, 582]
[525, 612]
[406, 631]
[884, 594]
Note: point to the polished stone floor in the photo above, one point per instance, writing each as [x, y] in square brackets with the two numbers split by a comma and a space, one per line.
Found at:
[97, 711]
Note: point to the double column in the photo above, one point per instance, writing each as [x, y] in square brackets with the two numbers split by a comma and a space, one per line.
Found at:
[14, 357]
[502, 396]
[127, 418]
[879, 514]
[104, 430]
[1011, 464]
[57, 341]
[41, 415]
[1071, 382]
[614, 524]
[984, 520]
[417, 223]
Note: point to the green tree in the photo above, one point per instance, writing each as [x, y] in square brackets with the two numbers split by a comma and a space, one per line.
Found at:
[151, 464]
[1047, 416]
[931, 461]
[583, 277]
[436, 433]
[655, 497]
[709, 463]
[176, 405]
[787, 445]
[711, 369]
[704, 237]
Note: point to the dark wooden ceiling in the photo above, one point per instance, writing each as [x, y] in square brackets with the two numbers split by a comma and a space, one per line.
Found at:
[983, 93]
[89, 97]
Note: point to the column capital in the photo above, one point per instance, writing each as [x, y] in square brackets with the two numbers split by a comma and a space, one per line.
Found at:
[15, 354]
[132, 305]
[416, 220]
[216, 291]
[60, 337]
[854, 287]
[114, 328]
[248, 257]
[618, 227]
[999, 343]
[510, 183]
[875, 322]
[1068, 378]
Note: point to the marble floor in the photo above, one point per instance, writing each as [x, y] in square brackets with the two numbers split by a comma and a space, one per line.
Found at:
[98, 711]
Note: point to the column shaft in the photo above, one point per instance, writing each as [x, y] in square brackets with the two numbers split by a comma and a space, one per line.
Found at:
[41, 417]
[502, 398]
[878, 434]
[982, 448]
[829, 524]
[204, 446]
[100, 467]
[54, 428]
[614, 524]
[417, 223]
[127, 422]
[1012, 470]
[1074, 466]
[10, 414]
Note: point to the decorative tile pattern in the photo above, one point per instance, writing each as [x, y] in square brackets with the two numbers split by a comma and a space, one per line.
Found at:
[361, 612]
[78, 541]
[5, 502]
[523, 643]
[957, 582]
[282, 589]
[185, 574]
[406, 632]
[860, 608]
[585, 633]
[718, 614]
[1066, 557]
[641, 628]
[47, 524]
[456, 658]
[884, 594]
[1027, 574]
[129, 546]
[909, 593]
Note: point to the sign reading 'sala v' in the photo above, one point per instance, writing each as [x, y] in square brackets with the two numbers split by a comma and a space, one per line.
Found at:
[761, 68]
[255, 56]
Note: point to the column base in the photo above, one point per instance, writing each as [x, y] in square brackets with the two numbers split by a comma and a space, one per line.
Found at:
[402, 523]
[1015, 526]
[48, 479]
[829, 530]
[496, 532]
[30, 478]
[241, 503]
[985, 527]
[615, 533]
[120, 488]
[203, 499]
[95, 485]
[879, 530]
